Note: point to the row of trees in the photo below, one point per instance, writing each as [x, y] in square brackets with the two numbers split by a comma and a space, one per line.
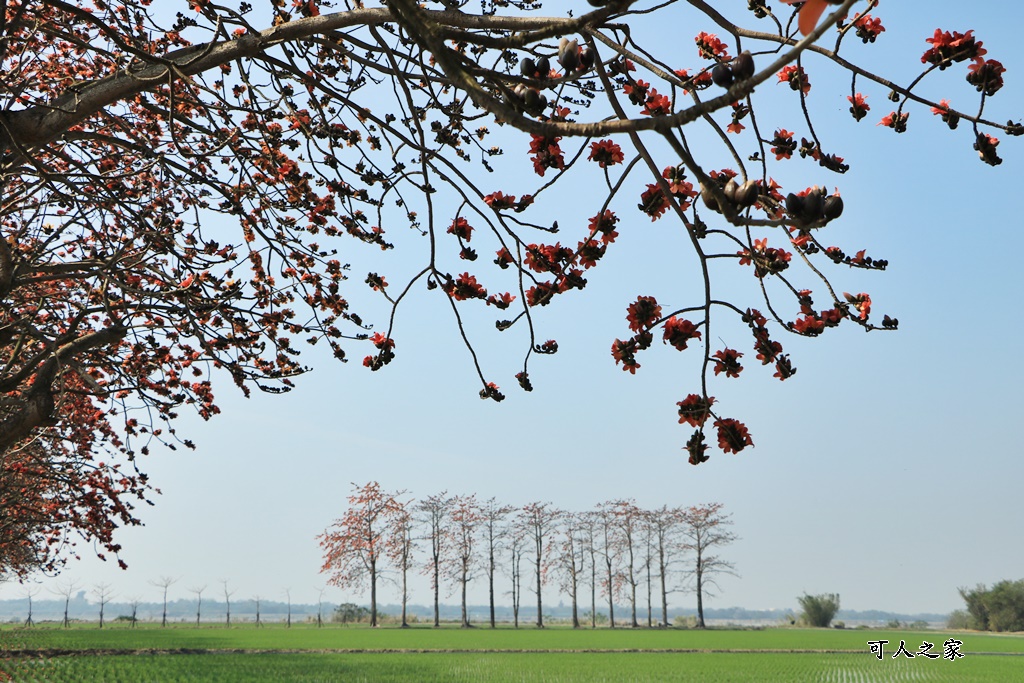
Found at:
[999, 608]
[617, 550]
[104, 595]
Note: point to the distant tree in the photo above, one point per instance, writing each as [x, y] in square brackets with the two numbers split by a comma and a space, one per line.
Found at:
[66, 589]
[819, 610]
[164, 583]
[571, 559]
[103, 595]
[516, 550]
[134, 603]
[350, 613]
[647, 545]
[462, 558]
[627, 528]
[400, 545]
[227, 603]
[288, 598]
[495, 530]
[433, 514]
[198, 590]
[258, 622]
[1000, 608]
[30, 592]
[539, 521]
[320, 606]
[588, 527]
[959, 619]
[665, 524]
[355, 545]
[604, 520]
[705, 531]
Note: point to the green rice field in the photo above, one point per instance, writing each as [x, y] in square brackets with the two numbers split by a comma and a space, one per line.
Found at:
[556, 655]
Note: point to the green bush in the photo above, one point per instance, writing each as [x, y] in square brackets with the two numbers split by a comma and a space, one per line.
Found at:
[1000, 608]
[818, 610]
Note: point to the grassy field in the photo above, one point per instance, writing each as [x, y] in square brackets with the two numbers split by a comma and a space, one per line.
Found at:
[555, 655]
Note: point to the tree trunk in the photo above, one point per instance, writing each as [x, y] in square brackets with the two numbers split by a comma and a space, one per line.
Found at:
[373, 593]
[437, 590]
[465, 613]
[405, 595]
[611, 596]
[700, 600]
[664, 587]
[575, 610]
[540, 606]
[490, 585]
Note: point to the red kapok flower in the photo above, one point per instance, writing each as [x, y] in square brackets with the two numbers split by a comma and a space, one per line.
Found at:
[710, 47]
[733, 436]
[859, 108]
[642, 313]
[498, 200]
[679, 331]
[796, 77]
[694, 410]
[606, 153]
[461, 229]
[728, 361]
[868, 28]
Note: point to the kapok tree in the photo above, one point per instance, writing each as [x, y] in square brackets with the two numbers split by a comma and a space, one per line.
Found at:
[462, 561]
[540, 523]
[355, 545]
[705, 531]
[189, 196]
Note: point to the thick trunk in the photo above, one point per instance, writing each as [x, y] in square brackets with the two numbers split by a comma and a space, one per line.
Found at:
[490, 584]
[575, 611]
[540, 606]
[405, 595]
[465, 612]
[664, 597]
[611, 597]
[700, 600]
[373, 593]
[437, 590]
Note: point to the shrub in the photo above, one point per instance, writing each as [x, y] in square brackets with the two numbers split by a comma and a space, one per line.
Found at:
[818, 610]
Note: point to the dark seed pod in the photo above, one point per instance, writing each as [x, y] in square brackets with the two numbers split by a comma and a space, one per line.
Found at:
[833, 207]
[587, 59]
[747, 193]
[534, 101]
[730, 189]
[794, 204]
[568, 55]
[743, 66]
[527, 67]
[543, 67]
[814, 206]
[709, 198]
[722, 75]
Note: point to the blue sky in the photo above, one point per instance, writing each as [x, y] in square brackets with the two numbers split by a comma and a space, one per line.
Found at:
[888, 470]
